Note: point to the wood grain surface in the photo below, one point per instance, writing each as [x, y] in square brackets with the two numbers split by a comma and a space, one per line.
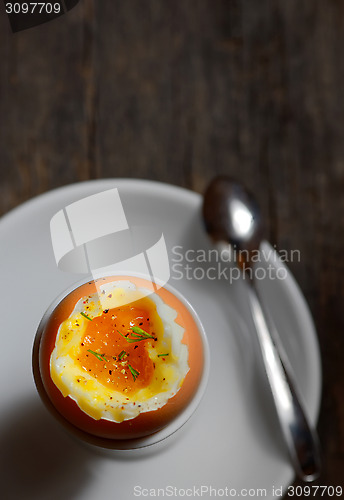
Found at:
[179, 91]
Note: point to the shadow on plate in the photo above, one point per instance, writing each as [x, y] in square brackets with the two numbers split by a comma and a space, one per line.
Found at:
[38, 459]
[160, 448]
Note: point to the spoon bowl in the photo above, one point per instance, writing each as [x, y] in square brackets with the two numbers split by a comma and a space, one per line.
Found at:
[231, 214]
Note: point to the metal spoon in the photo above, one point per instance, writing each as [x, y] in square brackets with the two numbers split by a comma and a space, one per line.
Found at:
[231, 215]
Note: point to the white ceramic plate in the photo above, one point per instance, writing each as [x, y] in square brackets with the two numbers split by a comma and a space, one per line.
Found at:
[232, 441]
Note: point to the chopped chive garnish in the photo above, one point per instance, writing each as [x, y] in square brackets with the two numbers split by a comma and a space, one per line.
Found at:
[137, 336]
[134, 372]
[139, 331]
[121, 355]
[160, 355]
[97, 355]
[85, 316]
[126, 338]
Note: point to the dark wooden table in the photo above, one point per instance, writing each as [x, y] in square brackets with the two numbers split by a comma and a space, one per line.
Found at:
[179, 91]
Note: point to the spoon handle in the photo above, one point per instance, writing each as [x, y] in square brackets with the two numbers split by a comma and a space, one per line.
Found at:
[301, 439]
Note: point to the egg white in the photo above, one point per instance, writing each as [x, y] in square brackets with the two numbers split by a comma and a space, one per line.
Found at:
[97, 400]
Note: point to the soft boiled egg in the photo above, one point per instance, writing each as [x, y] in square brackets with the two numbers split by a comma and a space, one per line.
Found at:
[118, 358]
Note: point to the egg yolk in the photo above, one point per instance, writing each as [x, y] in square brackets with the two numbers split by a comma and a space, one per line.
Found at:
[114, 354]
